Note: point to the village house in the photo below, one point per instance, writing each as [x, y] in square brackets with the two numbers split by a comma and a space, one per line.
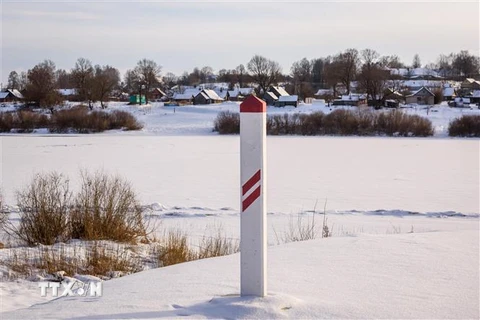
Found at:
[351, 100]
[449, 93]
[186, 97]
[422, 96]
[157, 94]
[290, 100]
[278, 91]
[11, 95]
[470, 84]
[207, 97]
[270, 98]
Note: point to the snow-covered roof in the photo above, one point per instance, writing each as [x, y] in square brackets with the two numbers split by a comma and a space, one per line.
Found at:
[422, 88]
[281, 91]
[67, 92]
[272, 95]
[476, 94]
[322, 92]
[353, 97]
[288, 98]
[223, 94]
[416, 72]
[448, 92]
[183, 96]
[16, 93]
[246, 91]
[3, 95]
[211, 94]
[192, 91]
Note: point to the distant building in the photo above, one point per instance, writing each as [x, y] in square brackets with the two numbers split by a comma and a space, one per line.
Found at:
[287, 101]
[351, 100]
[207, 97]
[270, 98]
[470, 84]
[157, 95]
[278, 91]
[11, 95]
[421, 96]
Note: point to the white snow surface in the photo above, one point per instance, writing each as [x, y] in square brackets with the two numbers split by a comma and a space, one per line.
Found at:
[410, 276]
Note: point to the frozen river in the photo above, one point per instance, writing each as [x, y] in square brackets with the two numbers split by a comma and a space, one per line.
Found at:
[424, 175]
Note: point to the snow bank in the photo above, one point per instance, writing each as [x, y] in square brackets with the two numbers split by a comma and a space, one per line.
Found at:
[410, 276]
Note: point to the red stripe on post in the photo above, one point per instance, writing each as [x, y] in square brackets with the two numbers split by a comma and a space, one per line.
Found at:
[251, 198]
[253, 104]
[251, 182]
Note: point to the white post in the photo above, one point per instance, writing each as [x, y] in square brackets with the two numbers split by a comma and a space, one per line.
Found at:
[253, 227]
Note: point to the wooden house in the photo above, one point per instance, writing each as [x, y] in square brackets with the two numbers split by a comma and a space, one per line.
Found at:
[287, 101]
[421, 96]
[207, 97]
[11, 95]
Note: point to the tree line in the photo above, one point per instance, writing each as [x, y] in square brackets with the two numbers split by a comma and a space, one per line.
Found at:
[97, 83]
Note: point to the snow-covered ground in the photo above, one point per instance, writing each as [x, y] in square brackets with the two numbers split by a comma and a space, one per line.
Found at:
[404, 213]
[409, 276]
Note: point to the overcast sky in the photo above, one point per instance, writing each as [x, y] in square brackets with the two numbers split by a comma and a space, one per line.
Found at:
[182, 35]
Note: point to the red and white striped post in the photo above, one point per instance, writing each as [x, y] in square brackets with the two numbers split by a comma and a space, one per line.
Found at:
[253, 227]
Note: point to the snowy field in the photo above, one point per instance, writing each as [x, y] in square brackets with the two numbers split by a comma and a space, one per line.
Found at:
[404, 213]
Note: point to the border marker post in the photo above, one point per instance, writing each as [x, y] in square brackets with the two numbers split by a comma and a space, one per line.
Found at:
[253, 216]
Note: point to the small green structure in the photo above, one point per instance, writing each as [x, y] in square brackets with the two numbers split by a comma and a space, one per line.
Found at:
[135, 99]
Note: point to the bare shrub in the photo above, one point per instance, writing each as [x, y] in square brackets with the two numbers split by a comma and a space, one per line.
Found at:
[227, 123]
[465, 126]
[122, 119]
[341, 122]
[7, 121]
[81, 120]
[312, 124]
[71, 119]
[174, 249]
[106, 208]
[44, 206]
[27, 121]
[398, 123]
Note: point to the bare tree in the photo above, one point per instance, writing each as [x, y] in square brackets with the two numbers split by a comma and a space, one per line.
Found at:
[373, 76]
[13, 80]
[318, 71]
[466, 64]
[301, 72]
[63, 79]
[347, 63]
[206, 74]
[83, 77]
[170, 79]
[445, 64]
[22, 81]
[148, 74]
[332, 74]
[392, 62]
[416, 63]
[264, 72]
[107, 79]
[41, 85]
[242, 75]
